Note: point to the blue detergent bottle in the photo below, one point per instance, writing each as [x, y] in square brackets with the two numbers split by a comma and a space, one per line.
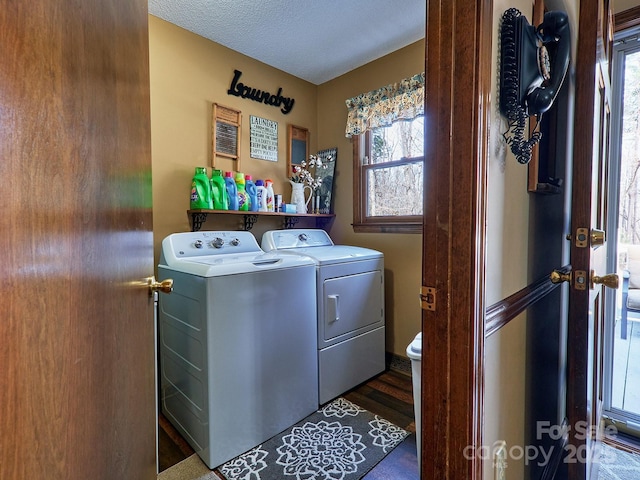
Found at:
[252, 191]
[200, 190]
[232, 190]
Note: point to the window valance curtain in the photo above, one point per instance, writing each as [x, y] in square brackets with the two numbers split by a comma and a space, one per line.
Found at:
[380, 108]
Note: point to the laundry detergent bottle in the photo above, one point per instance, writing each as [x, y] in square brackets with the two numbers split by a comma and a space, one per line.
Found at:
[201, 190]
[232, 190]
[250, 187]
[270, 196]
[243, 198]
[219, 191]
[261, 194]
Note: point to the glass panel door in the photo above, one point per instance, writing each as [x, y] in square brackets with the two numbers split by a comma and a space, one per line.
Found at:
[622, 369]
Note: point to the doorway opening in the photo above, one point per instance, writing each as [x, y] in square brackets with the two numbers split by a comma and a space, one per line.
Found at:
[622, 351]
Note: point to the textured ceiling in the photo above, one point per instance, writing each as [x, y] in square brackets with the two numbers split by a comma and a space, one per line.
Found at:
[316, 40]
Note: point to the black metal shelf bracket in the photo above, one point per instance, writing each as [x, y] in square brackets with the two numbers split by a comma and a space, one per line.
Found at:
[197, 219]
[290, 222]
[249, 221]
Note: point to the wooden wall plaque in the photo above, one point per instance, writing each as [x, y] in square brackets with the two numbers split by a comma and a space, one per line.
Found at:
[226, 125]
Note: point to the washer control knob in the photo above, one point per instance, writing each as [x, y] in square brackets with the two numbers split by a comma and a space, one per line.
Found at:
[198, 244]
[302, 237]
[235, 242]
[217, 242]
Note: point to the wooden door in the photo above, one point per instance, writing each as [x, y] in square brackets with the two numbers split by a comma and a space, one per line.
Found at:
[588, 239]
[76, 321]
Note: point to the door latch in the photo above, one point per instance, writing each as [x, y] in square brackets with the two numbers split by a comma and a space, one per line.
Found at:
[428, 298]
[582, 237]
[581, 280]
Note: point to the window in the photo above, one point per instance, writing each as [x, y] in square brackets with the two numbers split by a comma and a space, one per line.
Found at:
[387, 131]
[388, 168]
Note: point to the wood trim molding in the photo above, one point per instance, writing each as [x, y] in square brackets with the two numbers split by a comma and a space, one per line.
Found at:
[627, 19]
[356, 145]
[362, 223]
[502, 312]
[623, 442]
[458, 112]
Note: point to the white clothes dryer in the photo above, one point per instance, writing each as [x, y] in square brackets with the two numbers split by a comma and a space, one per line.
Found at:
[237, 351]
[350, 305]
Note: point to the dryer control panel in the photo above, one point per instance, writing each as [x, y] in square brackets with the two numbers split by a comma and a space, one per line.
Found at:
[295, 238]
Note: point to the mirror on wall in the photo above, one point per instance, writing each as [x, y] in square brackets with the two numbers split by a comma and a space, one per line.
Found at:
[297, 147]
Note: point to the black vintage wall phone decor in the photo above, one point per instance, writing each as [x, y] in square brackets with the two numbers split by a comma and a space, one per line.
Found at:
[533, 65]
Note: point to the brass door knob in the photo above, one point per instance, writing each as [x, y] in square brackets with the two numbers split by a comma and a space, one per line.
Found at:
[610, 280]
[165, 286]
[559, 277]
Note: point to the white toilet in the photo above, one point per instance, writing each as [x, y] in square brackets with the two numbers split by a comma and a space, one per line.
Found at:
[414, 352]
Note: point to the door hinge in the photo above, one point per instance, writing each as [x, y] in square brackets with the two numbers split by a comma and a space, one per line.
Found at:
[428, 298]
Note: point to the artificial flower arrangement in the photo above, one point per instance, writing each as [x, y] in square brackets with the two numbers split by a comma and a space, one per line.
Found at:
[306, 172]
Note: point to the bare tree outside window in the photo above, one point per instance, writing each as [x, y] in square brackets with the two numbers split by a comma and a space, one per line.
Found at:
[394, 170]
[629, 219]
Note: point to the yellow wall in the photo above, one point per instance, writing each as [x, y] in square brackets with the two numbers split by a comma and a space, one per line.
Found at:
[507, 245]
[622, 5]
[403, 252]
[189, 73]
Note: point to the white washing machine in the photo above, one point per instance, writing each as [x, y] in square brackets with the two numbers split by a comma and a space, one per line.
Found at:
[350, 303]
[237, 347]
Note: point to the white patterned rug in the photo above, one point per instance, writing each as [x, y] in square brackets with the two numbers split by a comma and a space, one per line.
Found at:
[341, 441]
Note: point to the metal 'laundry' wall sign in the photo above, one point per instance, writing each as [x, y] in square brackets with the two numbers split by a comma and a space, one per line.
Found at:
[239, 89]
[264, 139]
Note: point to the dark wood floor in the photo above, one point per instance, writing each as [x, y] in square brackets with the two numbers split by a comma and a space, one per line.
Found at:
[388, 395]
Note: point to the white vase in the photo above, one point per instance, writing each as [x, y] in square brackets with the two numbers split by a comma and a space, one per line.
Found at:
[298, 196]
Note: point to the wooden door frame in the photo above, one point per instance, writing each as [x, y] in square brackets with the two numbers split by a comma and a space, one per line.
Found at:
[457, 116]
[578, 366]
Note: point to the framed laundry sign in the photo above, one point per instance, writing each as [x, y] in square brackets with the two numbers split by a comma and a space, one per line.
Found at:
[264, 139]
